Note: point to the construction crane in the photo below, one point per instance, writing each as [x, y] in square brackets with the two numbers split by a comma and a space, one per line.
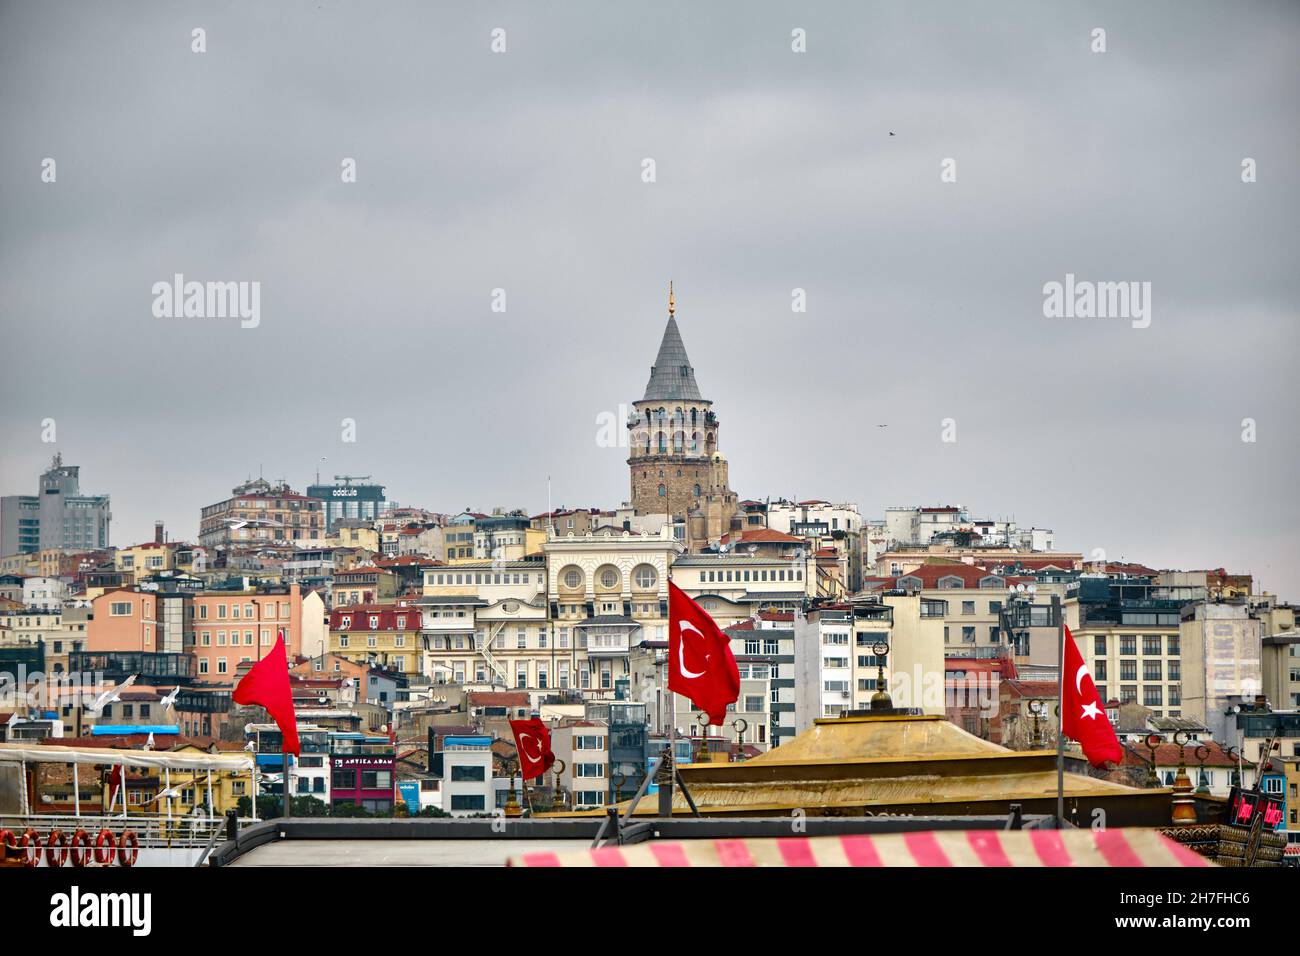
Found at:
[348, 479]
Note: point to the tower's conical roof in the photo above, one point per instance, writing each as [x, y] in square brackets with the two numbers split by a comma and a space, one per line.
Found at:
[671, 377]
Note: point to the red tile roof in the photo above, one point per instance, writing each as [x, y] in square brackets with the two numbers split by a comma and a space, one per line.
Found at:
[1031, 688]
[931, 574]
[498, 698]
[762, 536]
[1167, 755]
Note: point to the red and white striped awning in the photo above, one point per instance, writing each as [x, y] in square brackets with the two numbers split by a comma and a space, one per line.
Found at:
[1124, 848]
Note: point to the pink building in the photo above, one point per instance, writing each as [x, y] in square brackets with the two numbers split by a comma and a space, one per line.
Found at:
[234, 626]
[220, 628]
[123, 620]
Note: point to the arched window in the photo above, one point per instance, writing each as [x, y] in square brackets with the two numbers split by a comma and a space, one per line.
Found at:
[663, 492]
[697, 491]
[644, 577]
[609, 578]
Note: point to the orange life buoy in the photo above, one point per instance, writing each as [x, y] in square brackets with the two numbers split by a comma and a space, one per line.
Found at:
[125, 856]
[7, 840]
[31, 844]
[105, 848]
[56, 838]
[80, 848]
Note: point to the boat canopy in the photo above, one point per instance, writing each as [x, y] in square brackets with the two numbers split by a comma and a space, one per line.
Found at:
[174, 760]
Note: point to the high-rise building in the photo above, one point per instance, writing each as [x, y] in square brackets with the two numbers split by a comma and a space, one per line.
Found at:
[676, 468]
[59, 517]
[345, 500]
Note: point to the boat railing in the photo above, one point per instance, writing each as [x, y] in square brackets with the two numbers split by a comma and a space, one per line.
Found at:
[150, 830]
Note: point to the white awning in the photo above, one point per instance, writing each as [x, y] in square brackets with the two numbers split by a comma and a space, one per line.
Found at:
[41, 753]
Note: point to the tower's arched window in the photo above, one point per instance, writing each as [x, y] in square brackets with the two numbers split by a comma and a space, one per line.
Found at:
[663, 446]
[663, 491]
[697, 491]
[693, 416]
[679, 439]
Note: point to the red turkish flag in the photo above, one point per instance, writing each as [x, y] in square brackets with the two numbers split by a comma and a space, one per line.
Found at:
[267, 684]
[1083, 712]
[533, 742]
[700, 663]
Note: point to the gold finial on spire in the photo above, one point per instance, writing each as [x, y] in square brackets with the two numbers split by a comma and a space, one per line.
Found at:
[672, 303]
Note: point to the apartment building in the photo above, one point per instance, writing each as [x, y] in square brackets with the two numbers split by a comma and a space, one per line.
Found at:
[972, 602]
[734, 587]
[1130, 640]
[583, 746]
[486, 625]
[388, 634]
[259, 514]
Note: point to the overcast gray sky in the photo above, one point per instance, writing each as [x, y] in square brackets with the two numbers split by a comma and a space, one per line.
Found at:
[775, 170]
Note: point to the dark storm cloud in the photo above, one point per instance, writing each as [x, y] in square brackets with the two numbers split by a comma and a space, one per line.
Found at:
[775, 171]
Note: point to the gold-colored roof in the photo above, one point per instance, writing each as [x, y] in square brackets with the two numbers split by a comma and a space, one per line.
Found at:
[870, 738]
[895, 763]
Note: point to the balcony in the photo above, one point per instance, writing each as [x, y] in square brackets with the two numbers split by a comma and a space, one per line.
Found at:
[116, 666]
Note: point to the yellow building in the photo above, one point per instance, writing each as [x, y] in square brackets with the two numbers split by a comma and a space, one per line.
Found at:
[387, 633]
[144, 560]
[364, 538]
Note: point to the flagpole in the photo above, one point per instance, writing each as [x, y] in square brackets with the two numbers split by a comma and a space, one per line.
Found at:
[1058, 615]
[668, 771]
[288, 758]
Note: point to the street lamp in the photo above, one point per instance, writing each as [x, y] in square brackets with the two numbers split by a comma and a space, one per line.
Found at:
[512, 808]
[557, 798]
[741, 725]
[703, 753]
[1037, 707]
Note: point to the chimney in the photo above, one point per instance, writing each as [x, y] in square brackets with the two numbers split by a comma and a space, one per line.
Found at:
[158, 537]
